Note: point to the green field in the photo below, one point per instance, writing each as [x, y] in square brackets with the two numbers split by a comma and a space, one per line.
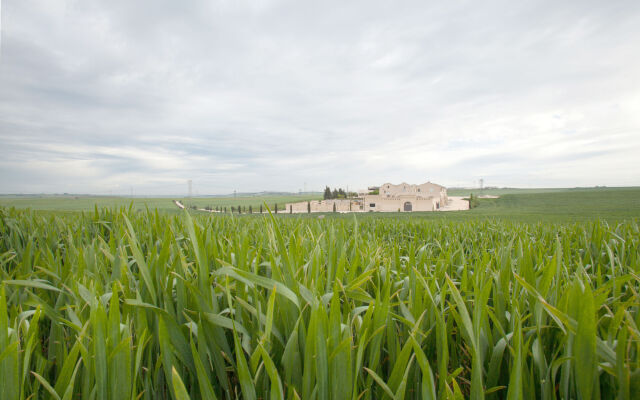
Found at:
[119, 304]
[88, 203]
[245, 202]
[584, 204]
[532, 295]
[503, 191]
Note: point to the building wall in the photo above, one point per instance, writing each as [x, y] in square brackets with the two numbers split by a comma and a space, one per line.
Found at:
[382, 203]
[425, 190]
[342, 205]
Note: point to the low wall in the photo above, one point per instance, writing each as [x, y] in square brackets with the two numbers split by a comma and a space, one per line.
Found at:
[341, 205]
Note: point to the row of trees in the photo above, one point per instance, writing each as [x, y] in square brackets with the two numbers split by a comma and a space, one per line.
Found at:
[249, 210]
[337, 193]
[239, 209]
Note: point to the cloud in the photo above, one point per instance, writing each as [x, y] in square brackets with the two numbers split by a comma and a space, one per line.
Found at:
[272, 95]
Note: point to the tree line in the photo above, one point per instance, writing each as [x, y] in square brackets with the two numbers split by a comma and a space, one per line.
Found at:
[338, 193]
[238, 209]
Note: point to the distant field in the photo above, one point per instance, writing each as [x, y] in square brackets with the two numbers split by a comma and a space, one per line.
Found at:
[502, 191]
[87, 203]
[573, 204]
[83, 203]
[254, 202]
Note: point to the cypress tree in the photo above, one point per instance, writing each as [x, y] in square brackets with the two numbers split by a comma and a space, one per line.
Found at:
[327, 193]
[309, 207]
[473, 201]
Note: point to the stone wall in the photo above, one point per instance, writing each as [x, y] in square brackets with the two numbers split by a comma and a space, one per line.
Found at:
[342, 205]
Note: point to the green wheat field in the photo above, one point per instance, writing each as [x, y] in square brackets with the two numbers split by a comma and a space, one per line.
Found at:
[525, 297]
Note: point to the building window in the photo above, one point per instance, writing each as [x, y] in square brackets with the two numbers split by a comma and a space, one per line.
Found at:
[418, 189]
[372, 205]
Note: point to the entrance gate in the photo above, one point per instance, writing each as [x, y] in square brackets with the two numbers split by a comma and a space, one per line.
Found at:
[407, 206]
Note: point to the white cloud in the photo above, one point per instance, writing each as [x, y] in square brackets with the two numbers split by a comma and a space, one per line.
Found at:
[99, 96]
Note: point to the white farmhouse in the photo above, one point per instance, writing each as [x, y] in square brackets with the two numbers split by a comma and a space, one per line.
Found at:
[386, 198]
[405, 197]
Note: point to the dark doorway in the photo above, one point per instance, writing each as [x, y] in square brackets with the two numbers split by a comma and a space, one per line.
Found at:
[407, 206]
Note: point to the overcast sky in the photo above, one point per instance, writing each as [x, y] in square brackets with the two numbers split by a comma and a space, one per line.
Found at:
[105, 96]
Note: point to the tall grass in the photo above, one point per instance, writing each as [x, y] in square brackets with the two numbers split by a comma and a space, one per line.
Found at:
[118, 304]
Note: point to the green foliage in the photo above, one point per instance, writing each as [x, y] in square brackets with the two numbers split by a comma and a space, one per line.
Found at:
[119, 304]
[338, 193]
[327, 193]
[473, 201]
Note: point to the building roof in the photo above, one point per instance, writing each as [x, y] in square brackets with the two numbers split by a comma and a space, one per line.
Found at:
[408, 184]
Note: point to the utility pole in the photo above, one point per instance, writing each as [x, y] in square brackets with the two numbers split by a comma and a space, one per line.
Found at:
[481, 184]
